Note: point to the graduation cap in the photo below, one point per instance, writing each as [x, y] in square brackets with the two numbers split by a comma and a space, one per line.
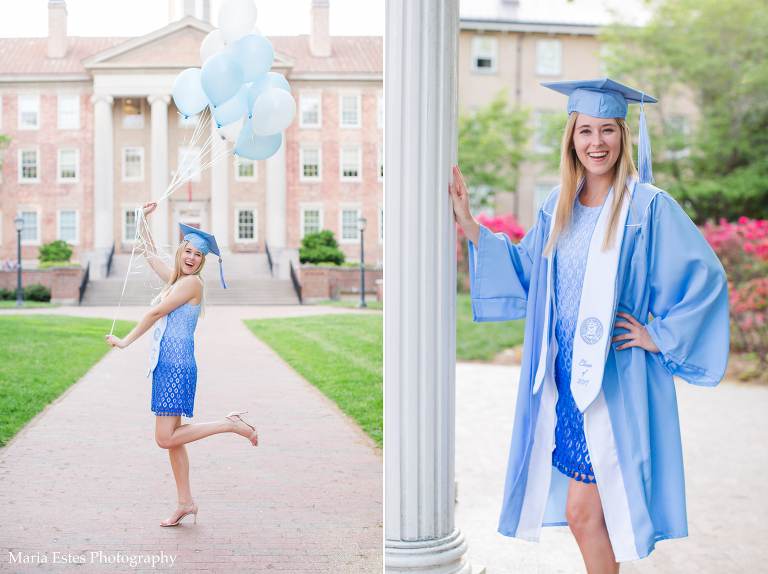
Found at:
[204, 242]
[605, 98]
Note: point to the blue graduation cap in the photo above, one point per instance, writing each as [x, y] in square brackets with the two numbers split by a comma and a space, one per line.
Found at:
[204, 242]
[605, 98]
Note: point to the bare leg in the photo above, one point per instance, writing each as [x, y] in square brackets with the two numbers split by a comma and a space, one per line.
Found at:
[170, 433]
[584, 513]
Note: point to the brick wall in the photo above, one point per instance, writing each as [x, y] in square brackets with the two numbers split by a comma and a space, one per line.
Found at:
[64, 282]
[327, 282]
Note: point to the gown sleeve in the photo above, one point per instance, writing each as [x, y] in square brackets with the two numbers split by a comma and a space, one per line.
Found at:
[688, 297]
[499, 275]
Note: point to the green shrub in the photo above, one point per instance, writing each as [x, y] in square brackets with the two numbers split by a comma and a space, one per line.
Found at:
[36, 292]
[55, 251]
[320, 248]
[7, 295]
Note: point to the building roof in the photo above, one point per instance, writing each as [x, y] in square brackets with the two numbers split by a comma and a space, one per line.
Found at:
[28, 55]
[559, 12]
[349, 54]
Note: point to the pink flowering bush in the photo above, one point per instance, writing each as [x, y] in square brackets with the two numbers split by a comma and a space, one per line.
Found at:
[500, 224]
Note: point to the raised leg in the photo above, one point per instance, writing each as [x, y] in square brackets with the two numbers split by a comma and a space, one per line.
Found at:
[170, 433]
[584, 513]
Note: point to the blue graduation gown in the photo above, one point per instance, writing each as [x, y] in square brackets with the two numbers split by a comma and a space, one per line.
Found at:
[667, 269]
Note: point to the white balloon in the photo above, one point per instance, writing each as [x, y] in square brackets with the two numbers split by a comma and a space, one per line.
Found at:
[256, 31]
[236, 19]
[212, 44]
[273, 112]
[229, 133]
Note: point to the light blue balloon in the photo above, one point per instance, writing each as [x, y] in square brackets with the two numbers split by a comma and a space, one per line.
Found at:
[255, 54]
[255, 147]
[188, 94]
[266, 82]
[221, 77]
[233, 110]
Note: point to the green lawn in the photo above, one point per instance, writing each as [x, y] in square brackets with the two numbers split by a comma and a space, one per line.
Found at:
[27, 305]
[342, 355]
[482, 341]
[376, 305]
[40, 357]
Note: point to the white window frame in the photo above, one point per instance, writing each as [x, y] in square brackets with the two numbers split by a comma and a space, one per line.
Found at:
[313, 146]
[195, 154]
[37, 125]
[21, 166]
[59, 211]
[379, 162]
[686, 131]
[75, 125]
[319, 123]
[246, 207]
[126, 208]
[538, 146]
[541, 191]
[493, 55]
[122, 171]
[380, 218]
[359, 149]
[358, 207]
[75, 179]
[29, 209]
[359, 124]
[380, 109]
[246, 178]
[303, 207]
[541, 70]
[142, 113]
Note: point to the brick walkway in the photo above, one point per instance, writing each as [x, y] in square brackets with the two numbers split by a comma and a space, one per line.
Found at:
[725, 448]
[86, 476]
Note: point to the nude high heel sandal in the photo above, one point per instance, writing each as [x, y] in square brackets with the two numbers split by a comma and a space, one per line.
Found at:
[254, 438]
[193, 510]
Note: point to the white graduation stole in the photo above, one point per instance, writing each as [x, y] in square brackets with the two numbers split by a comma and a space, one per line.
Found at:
[597, 309]
[158, 330]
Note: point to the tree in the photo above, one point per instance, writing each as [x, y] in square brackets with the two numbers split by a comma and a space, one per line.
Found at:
[320, 248]
[716, 49]
[492, 144]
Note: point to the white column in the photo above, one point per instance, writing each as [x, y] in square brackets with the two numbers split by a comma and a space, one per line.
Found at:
[103, 172]
[421, 67]
[160, 171]
[276, 199]
[220, 213]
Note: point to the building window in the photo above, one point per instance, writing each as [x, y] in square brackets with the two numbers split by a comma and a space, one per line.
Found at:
[311, 115]
[133, 164]
[351, 160]
[246, 170]
[349, 231]
[189, 164]
[540, 193]
[549, 57]
[380, 163]
[246, 226]
[30, 232]
[69, 112]
[310, 159]
[677, 129]
[132, 117]
[129, 226]
[350, 110]
[485, 54]
[29, 112]
[542, 140]
[68, 166]
[29, 163]
[311, 219]
[380, 110]
[67, 226]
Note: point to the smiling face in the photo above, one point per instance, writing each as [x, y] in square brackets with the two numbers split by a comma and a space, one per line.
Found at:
[191, 257]
[597, 142]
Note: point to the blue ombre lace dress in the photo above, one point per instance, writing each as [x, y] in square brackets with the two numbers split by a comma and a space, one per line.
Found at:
[174, 380]
[571, 456]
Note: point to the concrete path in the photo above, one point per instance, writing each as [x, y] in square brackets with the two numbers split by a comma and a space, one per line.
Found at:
[725, 446]
[86, 479]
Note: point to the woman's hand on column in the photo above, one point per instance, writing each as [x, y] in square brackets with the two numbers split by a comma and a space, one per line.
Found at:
[637, 337]
[461, 211]
[148, 208]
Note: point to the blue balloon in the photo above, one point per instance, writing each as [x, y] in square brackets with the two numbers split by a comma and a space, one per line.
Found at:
[233, 110]
[188, 94]
[266, 82]
[255, 54]
[221, 77]
[255, 147]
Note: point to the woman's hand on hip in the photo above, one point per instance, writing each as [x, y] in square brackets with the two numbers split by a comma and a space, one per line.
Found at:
[637, 337]
[148, 208]
[113, 341]
[461, 210]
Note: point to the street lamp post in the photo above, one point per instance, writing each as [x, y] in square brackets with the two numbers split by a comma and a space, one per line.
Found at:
[361, 226]
[18, 223]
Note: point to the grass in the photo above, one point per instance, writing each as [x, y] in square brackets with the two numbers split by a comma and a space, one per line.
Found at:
[482, 341]
[41, 356]
[27, 305]
[376, 305]
[342, 355]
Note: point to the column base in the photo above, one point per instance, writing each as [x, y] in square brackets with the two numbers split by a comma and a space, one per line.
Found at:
[440, 556]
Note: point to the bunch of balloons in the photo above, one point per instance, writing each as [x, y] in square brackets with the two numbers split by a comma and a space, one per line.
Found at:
[250, 105]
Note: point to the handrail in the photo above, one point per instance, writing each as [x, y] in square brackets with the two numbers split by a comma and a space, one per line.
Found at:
[269, 258]
[109, 261]
[296, 284]
[84, 282]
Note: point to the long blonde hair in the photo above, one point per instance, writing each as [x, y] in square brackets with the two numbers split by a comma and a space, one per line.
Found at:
[177, 274]
[572, 173]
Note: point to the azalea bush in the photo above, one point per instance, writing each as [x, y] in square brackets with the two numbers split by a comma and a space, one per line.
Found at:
[506, 224]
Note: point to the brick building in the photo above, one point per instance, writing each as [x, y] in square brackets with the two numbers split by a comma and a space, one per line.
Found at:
[95, 133]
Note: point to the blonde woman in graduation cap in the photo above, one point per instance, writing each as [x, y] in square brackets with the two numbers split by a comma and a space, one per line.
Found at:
[620, 292]
[172, 322]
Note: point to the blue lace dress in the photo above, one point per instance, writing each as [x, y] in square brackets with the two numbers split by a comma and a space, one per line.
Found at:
[174, 380]
[571, 456]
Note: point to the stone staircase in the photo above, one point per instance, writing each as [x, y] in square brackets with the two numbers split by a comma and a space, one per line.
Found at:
[247, 275]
